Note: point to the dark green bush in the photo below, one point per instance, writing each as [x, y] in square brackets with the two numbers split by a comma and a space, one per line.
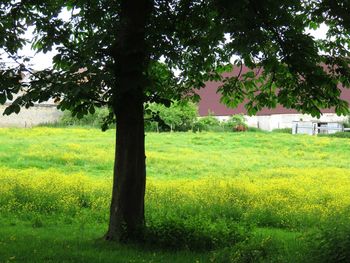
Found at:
[193, 234]
[283, 130]
[331, 242]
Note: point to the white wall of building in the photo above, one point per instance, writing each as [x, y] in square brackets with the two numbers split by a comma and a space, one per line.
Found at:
[30, 117]
[277, 121]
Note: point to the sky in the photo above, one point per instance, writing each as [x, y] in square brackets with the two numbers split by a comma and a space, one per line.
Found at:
[41, 61]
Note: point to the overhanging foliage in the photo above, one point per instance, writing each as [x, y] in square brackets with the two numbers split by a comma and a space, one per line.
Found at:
[198, 38]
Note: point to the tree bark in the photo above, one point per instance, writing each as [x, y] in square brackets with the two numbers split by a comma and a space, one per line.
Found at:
[127, 218]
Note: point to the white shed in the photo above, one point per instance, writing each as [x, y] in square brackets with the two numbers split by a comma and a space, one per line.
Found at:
[316, 127]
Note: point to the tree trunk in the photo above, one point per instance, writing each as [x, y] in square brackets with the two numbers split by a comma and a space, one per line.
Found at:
[127, 207]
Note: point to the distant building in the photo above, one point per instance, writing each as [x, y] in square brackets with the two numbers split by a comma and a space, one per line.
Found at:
[38, 114]
[266, 119]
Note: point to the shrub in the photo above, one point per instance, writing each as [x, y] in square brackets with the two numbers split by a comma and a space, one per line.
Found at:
[180, 116]
[95, 119]
[91, 120]
[151, 126]
[252, 249]
[283, 130]
[211, 123]
[207, 123]
[235, 123]
[200, 125]
[197, 234]
[331, 242]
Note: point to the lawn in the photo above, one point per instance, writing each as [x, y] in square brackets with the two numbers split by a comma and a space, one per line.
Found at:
[211, 197]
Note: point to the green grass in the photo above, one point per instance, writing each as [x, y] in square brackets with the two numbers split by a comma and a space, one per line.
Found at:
[20, 242]
[229, 197]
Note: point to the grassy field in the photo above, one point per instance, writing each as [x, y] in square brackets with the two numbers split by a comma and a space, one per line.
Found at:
[211, 197]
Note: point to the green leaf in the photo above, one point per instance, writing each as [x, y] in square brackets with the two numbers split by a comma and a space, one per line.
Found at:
[9, 95]
[92, 110]
[7, 111]
[16, 109]
[313, 25]
[2, 98]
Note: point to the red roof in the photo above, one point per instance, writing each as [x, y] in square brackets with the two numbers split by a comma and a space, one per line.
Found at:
[210, 101]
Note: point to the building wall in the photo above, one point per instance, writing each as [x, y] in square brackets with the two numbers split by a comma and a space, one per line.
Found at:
[43, 113]
[266, 119]
[210, 101]
[278, 121]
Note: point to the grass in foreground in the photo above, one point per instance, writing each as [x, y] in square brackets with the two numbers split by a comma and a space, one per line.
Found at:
[234, 197]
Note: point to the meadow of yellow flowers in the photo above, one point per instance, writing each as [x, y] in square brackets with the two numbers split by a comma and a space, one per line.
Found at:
[200, 181]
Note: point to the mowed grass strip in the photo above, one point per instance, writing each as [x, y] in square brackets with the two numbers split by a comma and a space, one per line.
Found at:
[205, 191]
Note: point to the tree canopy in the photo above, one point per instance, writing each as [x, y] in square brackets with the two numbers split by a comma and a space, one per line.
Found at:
[198, 38]
[122, 53]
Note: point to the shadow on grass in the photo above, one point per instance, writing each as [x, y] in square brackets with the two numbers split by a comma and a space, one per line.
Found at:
[61, 243]
[166, 241]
